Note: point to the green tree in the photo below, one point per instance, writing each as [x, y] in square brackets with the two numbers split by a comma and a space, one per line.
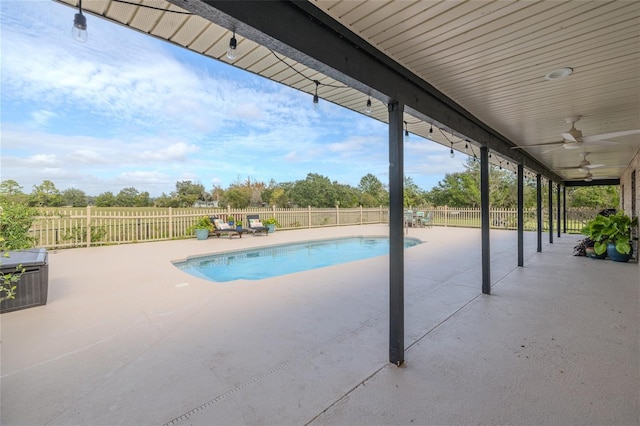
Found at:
[316, 191]
[238, 197]
[373, 192]
[74, 197]
[45, 195]
[15, 222]
[413, 195]
[601, 197]
[127, 197]
[278, 197]
[12, 190]
[106, 199]
[188, 193]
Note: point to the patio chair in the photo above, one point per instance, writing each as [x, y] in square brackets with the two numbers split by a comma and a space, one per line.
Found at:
[255, 225]
[428, 220]
[222, 227]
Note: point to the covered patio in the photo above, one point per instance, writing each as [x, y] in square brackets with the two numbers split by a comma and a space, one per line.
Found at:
[127, 338]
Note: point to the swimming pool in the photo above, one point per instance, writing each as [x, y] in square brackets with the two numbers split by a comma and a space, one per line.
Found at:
[272, 261]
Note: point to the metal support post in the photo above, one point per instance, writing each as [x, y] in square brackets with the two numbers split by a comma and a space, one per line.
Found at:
[520, 215]
[539, 210]
[484, 207]
[551, 212]
[558, 212]
[396, 235]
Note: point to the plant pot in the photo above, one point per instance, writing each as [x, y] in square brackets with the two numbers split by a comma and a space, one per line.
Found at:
[202, 234]
[272, 228]
[615, 255]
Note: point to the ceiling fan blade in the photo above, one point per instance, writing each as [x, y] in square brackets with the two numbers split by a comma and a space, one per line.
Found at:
[579, 145]
[602, 137]
[537, 145]
[554, 148]
[569, 137]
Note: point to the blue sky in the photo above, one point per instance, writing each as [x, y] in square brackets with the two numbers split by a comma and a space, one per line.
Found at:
[127, 110]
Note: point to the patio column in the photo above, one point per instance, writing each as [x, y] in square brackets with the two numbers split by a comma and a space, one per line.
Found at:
[550, 212]
[396, 236]
[484, 208]
[520, 215]
[559, 216]
[564, 207]
[539, 210]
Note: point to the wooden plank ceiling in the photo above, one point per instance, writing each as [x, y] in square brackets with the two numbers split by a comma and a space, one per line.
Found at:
[491, 57]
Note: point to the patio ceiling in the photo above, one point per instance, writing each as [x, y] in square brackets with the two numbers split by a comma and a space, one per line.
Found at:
[484, 61]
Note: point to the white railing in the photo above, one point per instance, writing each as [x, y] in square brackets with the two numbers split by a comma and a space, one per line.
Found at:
[90, 226]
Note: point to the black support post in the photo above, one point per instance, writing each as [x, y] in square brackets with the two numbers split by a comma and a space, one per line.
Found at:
[550, 212]
[520, 215]
[484, 207]
[396, 236]
[558, 212]
[564, 208]
[539, 210]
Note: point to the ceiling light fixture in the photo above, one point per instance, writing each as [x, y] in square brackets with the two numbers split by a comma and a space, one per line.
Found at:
[79, 29]
[558, 74]
[232, 51]
[368, 108]
[315, 97]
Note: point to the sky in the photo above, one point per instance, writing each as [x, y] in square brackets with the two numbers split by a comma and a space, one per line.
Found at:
[127, 110]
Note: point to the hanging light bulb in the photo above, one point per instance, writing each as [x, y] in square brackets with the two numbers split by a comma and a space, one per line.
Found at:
[451, 153]
[368, 108]
[79, 29]
[232, 51]
[315, 97]
[431, 132]
[466, 145]
[406, 132]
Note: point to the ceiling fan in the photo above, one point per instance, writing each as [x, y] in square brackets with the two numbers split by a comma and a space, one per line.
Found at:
[584, 165]
[573, 139]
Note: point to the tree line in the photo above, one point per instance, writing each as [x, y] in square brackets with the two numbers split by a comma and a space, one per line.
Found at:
[460, 189]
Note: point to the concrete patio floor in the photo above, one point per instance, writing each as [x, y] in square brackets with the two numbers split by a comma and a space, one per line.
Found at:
[126, 338]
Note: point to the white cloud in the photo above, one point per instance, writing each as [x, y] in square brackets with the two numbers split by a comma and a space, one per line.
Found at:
[174, 152]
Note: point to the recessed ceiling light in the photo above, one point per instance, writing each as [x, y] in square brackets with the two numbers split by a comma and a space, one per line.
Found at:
[558, 74]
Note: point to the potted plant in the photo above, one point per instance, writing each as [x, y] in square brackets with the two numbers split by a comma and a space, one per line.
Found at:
[271, 223]
[612, 234]
[202, 228]
[231, 220]
[239, 225]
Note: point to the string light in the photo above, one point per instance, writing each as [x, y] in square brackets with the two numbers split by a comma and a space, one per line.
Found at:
[368, 108]
[79, 29]
[451, 153]
[431, 131]
[232, 52]
[315, 97]
[406, 132]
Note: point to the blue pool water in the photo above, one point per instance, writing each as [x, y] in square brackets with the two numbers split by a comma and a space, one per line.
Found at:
[267, 262]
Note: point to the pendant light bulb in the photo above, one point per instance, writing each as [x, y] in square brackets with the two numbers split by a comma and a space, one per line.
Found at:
[451, 153]
[79, 28]
[232, 51]
[431, 132]
[368, 108]
[315, 96]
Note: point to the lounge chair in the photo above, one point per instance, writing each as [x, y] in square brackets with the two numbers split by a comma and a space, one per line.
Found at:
[255, 225]
[222, 227]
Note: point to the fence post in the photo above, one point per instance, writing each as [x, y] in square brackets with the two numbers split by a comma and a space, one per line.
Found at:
[88, 226]
[337, 215]
[446, 215]
[170, 223]
[309, 210]
[361, 215]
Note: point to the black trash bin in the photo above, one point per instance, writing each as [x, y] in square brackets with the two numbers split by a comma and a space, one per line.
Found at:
[33, 286]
